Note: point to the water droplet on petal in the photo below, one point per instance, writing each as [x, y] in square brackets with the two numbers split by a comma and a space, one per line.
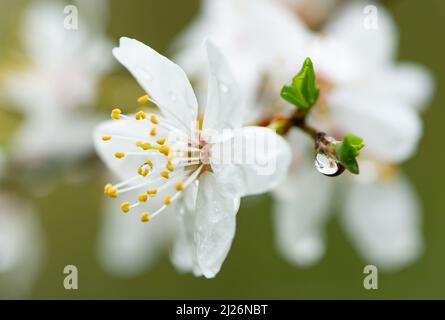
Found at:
[326, 165]
[223, 87]
[145, 75]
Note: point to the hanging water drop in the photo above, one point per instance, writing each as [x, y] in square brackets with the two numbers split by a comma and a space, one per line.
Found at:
[326, 165]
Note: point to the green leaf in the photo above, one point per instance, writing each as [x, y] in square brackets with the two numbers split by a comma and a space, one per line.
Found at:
[303, 92]
[348, 150]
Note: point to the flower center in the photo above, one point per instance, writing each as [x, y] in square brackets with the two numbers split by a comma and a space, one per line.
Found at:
[163, 161]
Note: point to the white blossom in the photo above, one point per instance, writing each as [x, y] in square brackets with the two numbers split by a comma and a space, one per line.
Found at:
[182, 159]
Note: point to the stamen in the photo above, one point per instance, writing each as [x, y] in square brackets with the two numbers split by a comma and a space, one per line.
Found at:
[154, 119]
[106, 138]
[138, 186]
[110, 191]
[149, 162]
[152, 192]
[164, 150]
[143, 145]
[180, 186]
[125, 207]
[119, 154]
[160, 141]
[142, 153]
[145, 217]
[178, 194]
[164, 174]
[140, 115]
[169, 166]
[122, 137]
[143, 197]
[153, 131]
[143, 99]
[125, 182]
[116, 114]
[167, 200]
[143, 171]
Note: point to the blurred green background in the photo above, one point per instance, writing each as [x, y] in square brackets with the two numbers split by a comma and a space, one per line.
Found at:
[253, 269]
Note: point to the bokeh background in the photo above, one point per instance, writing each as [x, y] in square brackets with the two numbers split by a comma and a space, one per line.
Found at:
[70, 212]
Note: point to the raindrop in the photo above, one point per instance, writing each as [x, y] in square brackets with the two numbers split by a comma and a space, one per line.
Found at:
[326, 165]
[144, 74]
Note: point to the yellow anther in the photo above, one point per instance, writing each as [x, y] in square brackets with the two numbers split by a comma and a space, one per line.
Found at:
[143, 171]
[164, 174]
[125, 207]
[143, 145]
[153, 131]
[143, 197]
[143, 99]
[169, 166]
[107, 187]
[106, 138]
[180, 186]
[154, 119]
[160, 141]
[152, 192]
[164, 150]
[110, 191]
[145, 217]
[140, 115]
[119, 155]
[149, 162]
[167, 200]
[116, 114]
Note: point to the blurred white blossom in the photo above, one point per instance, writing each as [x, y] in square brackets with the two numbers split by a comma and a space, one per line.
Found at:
[313, 12]
[21, 247]
[57, 84]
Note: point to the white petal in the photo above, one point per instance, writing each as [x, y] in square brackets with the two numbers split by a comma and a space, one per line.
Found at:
[383, 220]
[255, 160]
[335, 61]
[21, 247]
[224, 109]
[302, 208]
[163, 80]
[214, 225]
[183, 255]
[313, 11]
[376, 46]
[408, 82]
[390, 129]
[127, 247]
